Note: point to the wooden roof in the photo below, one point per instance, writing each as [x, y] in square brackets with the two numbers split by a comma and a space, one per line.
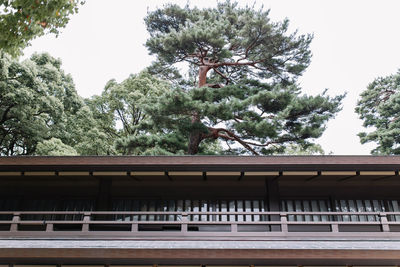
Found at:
[200, 163]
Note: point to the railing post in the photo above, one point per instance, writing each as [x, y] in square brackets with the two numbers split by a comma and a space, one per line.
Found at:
[384, 222]
[15, 221]
[135, 227]
[234, 227]
[184, 225]
[86, 220]
[284, 225]
[49, 227]
[335, 227]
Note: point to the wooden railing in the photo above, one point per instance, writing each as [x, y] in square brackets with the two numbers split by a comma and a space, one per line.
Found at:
[130, 224]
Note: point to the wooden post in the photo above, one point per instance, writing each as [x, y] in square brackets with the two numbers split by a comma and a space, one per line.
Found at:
[384, 222]
[234, 227]
[104, 194]
[335, 228]
[135, 227]
[184, 224]
[86, 221]
[284, 225]
[272, 192]
[49, 227]
[15, 221]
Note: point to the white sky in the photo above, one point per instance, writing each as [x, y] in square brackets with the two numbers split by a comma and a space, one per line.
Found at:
[354, 42]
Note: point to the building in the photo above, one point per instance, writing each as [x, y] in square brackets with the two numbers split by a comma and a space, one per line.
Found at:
[200, 210]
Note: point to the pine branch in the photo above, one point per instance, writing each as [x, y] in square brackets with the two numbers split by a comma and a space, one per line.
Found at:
[216, 132]
[222, 75]
[251, 46]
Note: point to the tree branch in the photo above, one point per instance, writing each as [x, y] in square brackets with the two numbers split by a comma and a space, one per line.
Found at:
[251, 46]
[215, 133]
[4, 117]
[222, 75]
[124, 122]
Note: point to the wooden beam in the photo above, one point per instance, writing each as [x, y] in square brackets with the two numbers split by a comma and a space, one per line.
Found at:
[148, 173]
[223, 173]
[39, 173]
[261, 173]
[376, 173]
[72, 173]
[338, 173]
[299, 173]
[185, 173]
[208, 256]
[10, 173]
[110, 173]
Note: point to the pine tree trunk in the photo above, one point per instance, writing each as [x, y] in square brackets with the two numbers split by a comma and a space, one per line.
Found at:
[195, 136]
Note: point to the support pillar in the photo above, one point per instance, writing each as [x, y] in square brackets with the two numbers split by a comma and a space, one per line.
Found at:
[273, 200]
[103, 202]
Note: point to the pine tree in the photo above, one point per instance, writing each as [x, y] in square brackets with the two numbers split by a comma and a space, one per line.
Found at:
[379, 108]
[241, 82]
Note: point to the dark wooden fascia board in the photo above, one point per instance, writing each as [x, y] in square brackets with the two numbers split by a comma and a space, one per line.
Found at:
[199, 256]
[201, 163]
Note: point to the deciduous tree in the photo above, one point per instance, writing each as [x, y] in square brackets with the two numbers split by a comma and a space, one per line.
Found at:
[39, 104]
[23, 20]
[54, 147]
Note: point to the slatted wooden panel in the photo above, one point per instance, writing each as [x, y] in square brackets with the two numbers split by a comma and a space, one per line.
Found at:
[393, 206]
[350, 205]
[343, 205]
[368, 205]
[190, 206]
[10, 204]
[313, 205]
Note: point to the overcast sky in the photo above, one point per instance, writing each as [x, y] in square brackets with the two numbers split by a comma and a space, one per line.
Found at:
[354, 42]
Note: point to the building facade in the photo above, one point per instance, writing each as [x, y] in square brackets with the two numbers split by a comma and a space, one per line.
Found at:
[200, 211]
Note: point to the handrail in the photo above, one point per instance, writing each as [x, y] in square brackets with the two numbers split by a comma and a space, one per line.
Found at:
[189, 222]
[194, 213]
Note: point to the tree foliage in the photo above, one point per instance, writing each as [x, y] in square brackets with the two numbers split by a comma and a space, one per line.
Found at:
[38, 102]
[241, 85]
[54, 147]
[127, 113]
[121, 109]
[236, 93]
[379, 108]
[23, 20]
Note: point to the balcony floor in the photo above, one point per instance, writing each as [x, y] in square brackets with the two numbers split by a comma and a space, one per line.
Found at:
[232, 253]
